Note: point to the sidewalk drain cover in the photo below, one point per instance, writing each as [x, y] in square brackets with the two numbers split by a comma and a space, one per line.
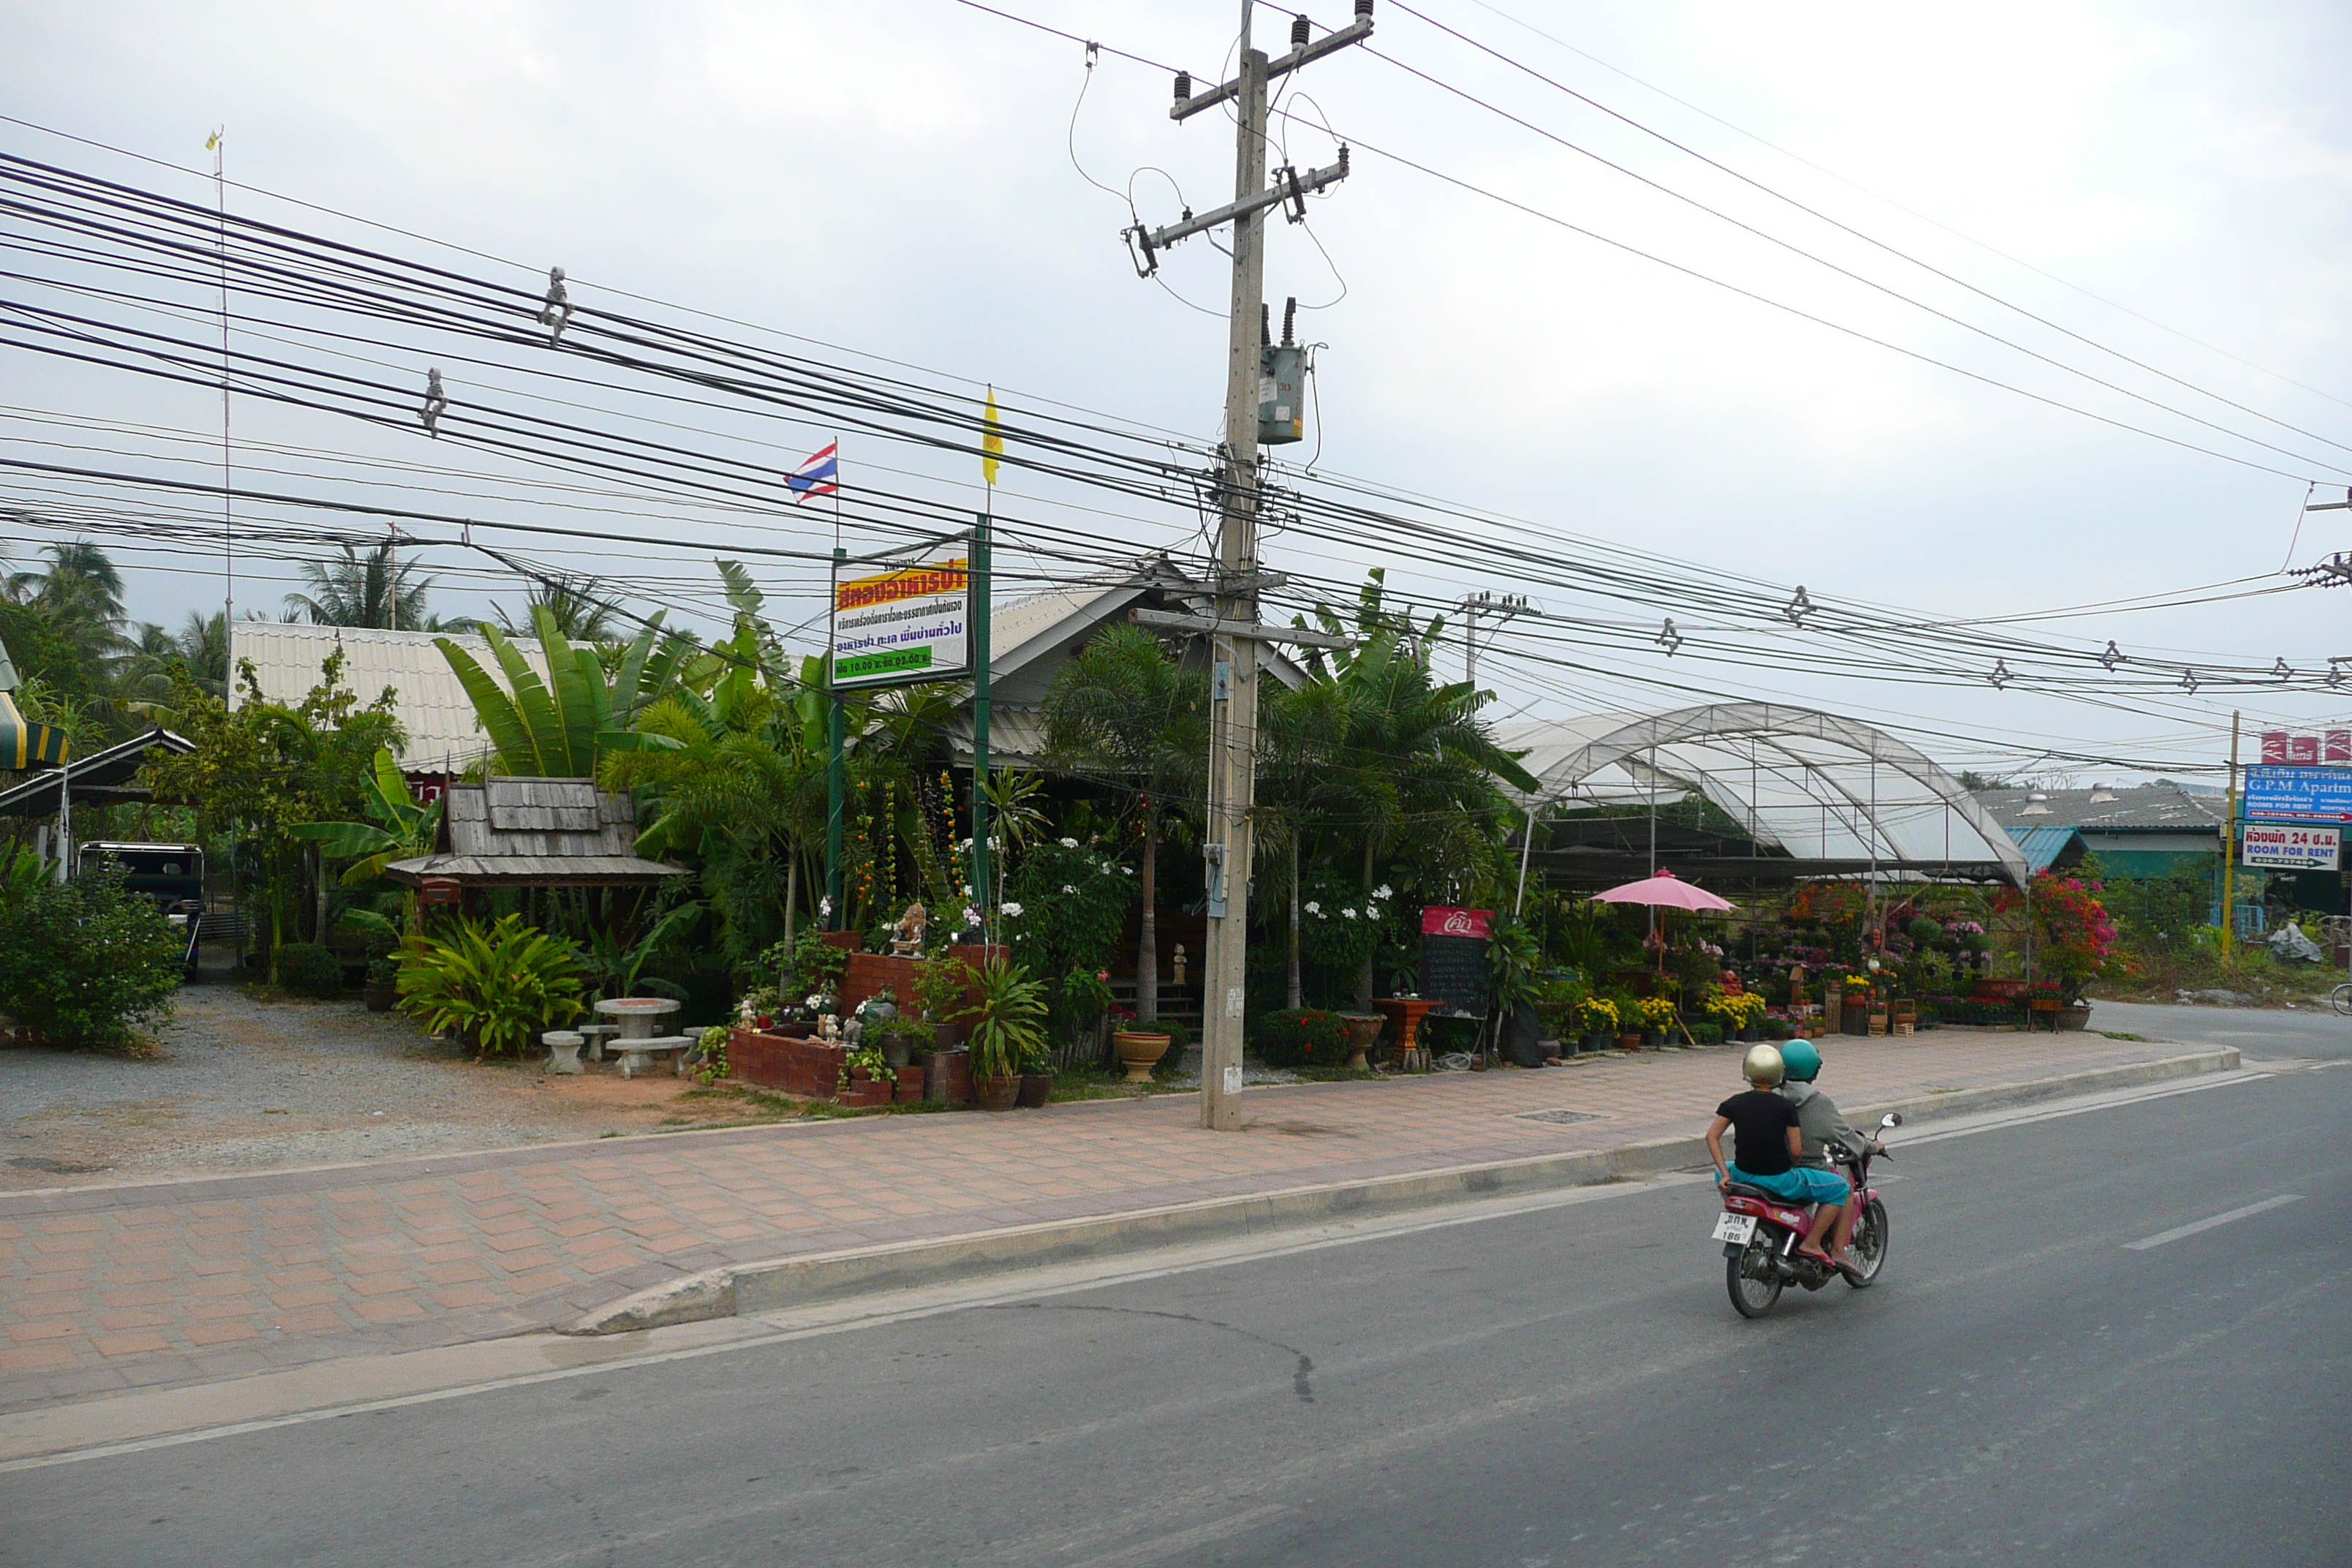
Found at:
[1560, 1117]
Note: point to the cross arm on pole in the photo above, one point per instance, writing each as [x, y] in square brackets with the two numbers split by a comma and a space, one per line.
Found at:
[1288, 185]
[1210, 626]
[1355, 32]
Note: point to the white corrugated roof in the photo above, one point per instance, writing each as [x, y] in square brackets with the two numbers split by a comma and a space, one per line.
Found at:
[443, 734]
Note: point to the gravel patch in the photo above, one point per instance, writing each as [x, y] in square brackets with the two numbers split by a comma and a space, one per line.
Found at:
[246, 1084]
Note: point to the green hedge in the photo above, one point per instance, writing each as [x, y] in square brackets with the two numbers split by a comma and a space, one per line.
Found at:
[86, 962]
[1302, 1037]
[308, 970]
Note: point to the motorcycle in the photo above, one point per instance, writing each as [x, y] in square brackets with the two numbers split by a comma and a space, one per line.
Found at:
[1760, 1234]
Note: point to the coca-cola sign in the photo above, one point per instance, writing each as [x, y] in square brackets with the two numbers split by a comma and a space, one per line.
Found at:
[1438, 921]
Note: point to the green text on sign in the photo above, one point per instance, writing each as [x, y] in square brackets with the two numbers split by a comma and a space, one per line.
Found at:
[858, 665]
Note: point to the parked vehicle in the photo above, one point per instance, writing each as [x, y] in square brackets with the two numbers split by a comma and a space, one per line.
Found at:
[171, 874]
[1760, 1235]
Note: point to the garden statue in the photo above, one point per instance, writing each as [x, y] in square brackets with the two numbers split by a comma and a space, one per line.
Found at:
[853, 1033]
[828, 1029]
[1179, 966]
[909, 942]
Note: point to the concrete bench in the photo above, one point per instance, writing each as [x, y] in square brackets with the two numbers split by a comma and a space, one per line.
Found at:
[637, 1055]
[563, 1050]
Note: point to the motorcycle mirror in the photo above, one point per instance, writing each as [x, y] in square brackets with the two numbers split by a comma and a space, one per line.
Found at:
[1892, 1119]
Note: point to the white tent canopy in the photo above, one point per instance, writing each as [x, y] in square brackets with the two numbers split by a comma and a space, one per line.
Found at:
[1811, 785]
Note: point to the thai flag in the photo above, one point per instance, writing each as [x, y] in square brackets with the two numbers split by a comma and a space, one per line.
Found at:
[816, 476]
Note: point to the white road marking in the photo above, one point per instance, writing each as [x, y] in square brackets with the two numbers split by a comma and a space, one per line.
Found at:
[2161, 1236]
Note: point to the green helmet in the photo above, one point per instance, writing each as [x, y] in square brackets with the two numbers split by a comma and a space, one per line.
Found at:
[1802, 1060]
[1762, 1065]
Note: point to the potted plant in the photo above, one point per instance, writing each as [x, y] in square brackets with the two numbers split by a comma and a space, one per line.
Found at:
[1007, 1030]
[939, 991]
[1036, 1078]
[383, 984]
[1599, 1016]
[1657, 1016]
[880, 1012]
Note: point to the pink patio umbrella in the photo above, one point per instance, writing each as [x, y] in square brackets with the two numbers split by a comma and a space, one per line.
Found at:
[1664, 890]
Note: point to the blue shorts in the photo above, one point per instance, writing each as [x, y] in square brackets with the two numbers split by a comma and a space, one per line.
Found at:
[1801, 1184]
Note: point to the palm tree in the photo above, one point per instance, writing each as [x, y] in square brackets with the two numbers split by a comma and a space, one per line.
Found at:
[579, 614]
[555, 727]
[79, 597]
[374, 589]
[1123, 708]
[1415, 753]
[1301, 737]
[200, 644]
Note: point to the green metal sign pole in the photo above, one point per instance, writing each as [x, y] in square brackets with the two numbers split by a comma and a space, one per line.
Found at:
[980, 660]
[837, 783]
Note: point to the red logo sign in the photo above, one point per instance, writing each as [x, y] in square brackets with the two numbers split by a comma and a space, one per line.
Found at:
[2340, 746]
[1437, 921]
[2303, 749]
[2274, 745]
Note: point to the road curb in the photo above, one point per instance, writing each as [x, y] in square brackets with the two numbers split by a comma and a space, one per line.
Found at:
[771, 1284]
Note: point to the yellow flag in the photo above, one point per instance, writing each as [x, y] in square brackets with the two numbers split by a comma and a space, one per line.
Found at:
[212, 141]
[992, 440]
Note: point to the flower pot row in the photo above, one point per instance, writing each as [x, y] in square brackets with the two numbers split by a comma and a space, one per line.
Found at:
[810, 1068]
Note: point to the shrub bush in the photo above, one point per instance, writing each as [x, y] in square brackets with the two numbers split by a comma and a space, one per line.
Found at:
[1302, 1037]
[1705, 1034]
[86, 961]
[1171, 1061]
[308, 970]
[497, 985]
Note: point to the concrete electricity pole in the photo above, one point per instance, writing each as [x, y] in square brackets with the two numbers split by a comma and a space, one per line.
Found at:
[1233, 712]
[1484, 602]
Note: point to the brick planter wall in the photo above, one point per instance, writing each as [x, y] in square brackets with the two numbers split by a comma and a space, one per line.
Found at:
[808, 1069]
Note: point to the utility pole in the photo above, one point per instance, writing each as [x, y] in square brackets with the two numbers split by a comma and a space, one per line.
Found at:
[1484, 602]
[2229, 851]
[1233, 628]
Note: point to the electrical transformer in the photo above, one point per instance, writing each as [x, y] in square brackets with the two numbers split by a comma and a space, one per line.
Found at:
[1281, 394]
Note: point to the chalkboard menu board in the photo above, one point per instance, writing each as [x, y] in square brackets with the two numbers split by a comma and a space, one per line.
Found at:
[1453, 973]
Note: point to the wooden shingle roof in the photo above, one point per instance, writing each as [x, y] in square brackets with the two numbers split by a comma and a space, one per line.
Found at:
[529, 832]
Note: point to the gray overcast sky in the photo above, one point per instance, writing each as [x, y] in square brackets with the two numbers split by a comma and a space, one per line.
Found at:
[898, 178]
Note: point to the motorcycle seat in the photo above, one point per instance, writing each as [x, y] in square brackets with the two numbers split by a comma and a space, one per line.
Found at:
[1742, 1190]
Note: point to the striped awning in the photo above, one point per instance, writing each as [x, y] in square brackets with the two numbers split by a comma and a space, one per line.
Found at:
[24, 744]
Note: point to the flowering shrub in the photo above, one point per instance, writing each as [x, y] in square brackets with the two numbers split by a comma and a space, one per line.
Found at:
[1301, 1037]
[1599, 1014]
[1654, 1011]
[2073, 935]
[1067, 922]
[1341, 929]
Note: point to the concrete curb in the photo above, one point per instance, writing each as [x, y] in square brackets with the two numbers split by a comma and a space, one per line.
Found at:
[767, 1286]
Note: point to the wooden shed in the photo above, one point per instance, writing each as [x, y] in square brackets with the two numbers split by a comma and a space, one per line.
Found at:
[535, 833]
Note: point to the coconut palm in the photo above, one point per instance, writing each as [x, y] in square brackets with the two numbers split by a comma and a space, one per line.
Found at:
[372, 589]
[1123, 709]
[579, 613]
[1415, 759]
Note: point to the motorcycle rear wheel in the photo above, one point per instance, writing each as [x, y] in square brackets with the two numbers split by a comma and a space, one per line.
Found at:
[1869, 1245]
[1752, 1280]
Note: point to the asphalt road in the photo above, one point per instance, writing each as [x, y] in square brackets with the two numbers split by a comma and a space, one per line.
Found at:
[2268, 1033]
[1568, 1386]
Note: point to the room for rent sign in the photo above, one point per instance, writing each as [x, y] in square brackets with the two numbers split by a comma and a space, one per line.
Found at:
[2292, 848]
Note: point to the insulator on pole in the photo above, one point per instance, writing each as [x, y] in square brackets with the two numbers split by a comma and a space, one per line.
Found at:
[1298, 32]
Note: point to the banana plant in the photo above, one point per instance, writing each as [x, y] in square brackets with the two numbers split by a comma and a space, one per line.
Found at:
[397, 829]
[551, 728]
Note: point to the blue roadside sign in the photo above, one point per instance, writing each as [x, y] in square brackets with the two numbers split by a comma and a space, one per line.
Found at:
[2275, 794]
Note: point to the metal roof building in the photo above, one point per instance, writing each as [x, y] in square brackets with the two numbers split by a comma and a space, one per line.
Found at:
[443, 735]
[1811, 794]
[2134, 830]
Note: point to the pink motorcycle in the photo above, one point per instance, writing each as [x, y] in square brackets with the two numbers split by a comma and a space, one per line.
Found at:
[1760, 1234]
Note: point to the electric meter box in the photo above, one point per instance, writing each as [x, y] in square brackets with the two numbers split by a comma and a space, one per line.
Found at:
[1281, 394]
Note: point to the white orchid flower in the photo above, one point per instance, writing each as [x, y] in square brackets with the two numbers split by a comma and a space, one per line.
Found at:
[1069, 844]
[1010, 908]
[1384, 891]
[1349, 913]
[1312, 908]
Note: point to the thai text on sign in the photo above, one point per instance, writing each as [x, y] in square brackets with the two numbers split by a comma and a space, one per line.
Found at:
[2297, 795]
[912, 623]
[2286, 845]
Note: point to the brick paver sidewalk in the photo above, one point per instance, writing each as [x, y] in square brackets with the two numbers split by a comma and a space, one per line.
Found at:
[110, 1288]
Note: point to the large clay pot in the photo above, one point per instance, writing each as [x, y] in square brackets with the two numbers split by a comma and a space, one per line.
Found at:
[996, 1093]
[1363, 1033]
[1630, 1041]
[2076, 1018]
[380, 998]
[895, 1049]
[1037, 1088]
[1139, 1052]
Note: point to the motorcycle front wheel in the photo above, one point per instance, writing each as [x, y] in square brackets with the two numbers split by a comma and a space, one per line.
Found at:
[1869, 1245]
[1754, 1283]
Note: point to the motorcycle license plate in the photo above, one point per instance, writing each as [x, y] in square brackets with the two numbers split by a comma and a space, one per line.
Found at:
[1738, 1229]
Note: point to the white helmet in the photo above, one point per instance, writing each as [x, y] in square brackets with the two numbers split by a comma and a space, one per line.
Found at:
[1763, 1065]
